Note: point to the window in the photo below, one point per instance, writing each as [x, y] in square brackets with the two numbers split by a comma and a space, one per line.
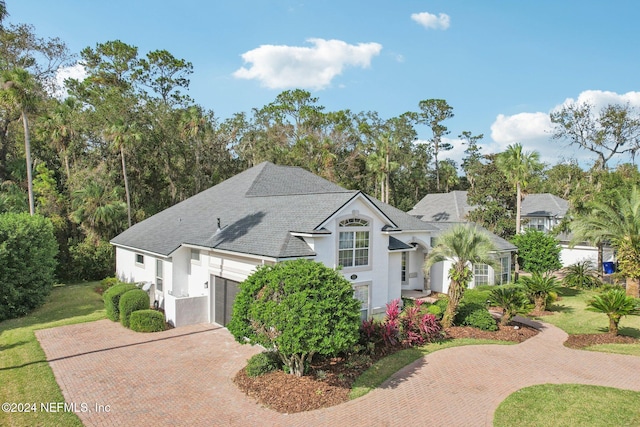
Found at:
[159, 275]
[505, 272]
[537, 224]
[403, 269]
[140, 259]
[195, 255]
[353, 245]
[361, 293]
[480, 274]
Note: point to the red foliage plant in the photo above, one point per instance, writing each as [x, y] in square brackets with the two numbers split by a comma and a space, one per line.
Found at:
[409, 327]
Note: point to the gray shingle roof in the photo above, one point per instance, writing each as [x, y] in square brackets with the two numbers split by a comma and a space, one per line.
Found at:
[258, 210]
[443, 207]
[544, 204]
[501, 244]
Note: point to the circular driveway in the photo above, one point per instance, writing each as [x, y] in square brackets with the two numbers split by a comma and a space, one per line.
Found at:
[184, 377]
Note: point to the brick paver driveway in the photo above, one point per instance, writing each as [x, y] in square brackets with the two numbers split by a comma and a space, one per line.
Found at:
[183, 377]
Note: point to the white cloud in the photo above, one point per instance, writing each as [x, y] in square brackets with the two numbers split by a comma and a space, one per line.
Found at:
[600, 99]
[429, 20]
[534, 130]
[520, 127]
[281, 66]
[76, 71]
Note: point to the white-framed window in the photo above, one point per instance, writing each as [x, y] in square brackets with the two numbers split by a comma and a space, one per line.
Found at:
[537, 224]
[159, 275]
[480, 274]
[195, 255]
[505, 272]
[404, 278]
[354, 242]
[361, 293]
[140, 259]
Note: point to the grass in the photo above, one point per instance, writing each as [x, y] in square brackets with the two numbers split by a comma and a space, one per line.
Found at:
[569, 405]
[572, 316]
[24, 373]
[380, 371]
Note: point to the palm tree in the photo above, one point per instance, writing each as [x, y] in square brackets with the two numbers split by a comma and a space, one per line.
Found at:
[538, 287]
[512, 301]
[60, 129]
[122, 135]
[581, 275]
[463, 245]
[19, 88]
[615, 304]
[518, 167]
[617, 223]
[98, 210]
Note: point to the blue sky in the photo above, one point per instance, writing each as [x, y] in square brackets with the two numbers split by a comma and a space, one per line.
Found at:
[502, 65]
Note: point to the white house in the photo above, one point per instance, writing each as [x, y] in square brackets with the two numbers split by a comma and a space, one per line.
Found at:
[195, 253]
[442, 211]
[544, 212]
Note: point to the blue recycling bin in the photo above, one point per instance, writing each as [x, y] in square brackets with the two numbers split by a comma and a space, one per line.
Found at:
[608, 267]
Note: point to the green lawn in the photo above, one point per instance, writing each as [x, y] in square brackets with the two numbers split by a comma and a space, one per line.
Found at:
[572, 316]
[25, 376]
[569, 405]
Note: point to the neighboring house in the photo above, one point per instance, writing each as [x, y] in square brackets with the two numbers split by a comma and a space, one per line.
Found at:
[442, 211]
[194, 254]
[543, 212]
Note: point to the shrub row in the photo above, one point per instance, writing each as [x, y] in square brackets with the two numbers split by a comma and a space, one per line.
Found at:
[128, 304]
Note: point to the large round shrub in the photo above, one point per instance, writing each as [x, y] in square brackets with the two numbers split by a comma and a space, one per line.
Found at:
[538, 252]
[146, 321]
[135, 299]
[111, 299]
[28, 249]
[297, 308]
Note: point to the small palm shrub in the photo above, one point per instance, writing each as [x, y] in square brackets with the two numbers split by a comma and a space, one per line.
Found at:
[135, 299]
[615, 304]
[147, 321]
[112, 297]
[538, 286]
[511, 300]
[581, 275]
[263, 363]
[477, 316]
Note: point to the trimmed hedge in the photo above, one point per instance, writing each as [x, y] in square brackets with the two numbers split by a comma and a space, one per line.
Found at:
[133, 300]
[111, 299]
[146, 321]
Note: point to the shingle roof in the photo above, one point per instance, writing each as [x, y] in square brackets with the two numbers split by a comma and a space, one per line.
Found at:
[544, 204]
[442, 207]
[258, 210]
[501, 244]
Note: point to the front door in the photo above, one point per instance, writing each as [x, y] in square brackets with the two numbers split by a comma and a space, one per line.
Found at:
[225, 292]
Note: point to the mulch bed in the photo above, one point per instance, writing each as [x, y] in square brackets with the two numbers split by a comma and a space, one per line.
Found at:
[330, 380]
[586, 340]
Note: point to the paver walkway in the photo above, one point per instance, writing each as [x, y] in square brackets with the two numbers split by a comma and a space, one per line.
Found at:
[183, 377]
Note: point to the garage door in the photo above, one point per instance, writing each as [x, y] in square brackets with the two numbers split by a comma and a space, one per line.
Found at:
[225, 293]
